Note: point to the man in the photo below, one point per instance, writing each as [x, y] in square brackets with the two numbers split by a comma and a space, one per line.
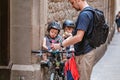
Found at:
[84, 53]
[117, 20]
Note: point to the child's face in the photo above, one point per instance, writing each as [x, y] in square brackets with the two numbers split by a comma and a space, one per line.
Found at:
[68, 29]
[53, 33]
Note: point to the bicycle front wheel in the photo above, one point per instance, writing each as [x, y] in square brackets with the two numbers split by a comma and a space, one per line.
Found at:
[54, 76]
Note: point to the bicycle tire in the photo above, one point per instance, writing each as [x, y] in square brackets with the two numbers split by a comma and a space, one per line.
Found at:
[52, 76]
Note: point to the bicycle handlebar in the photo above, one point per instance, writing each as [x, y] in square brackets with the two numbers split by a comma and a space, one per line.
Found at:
[45, 51]
[39, 51]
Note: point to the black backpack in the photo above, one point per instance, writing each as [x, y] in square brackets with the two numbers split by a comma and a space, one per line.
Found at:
[100, 28]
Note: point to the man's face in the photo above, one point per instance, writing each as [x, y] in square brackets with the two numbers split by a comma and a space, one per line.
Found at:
[75, 4]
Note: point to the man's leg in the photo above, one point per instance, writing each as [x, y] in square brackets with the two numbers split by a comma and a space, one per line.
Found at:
[85, 65]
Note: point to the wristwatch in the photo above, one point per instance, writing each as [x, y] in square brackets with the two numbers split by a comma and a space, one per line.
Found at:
[61, 45]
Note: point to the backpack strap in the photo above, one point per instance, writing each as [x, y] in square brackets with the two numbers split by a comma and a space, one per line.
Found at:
[91, 9]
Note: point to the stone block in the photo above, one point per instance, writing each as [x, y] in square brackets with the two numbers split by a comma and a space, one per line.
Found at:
[21, 45]
[25, 72]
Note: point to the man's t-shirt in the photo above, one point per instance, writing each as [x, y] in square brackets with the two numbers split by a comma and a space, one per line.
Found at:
[85, 23]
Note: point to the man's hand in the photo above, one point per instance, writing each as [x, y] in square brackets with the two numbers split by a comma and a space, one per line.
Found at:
[56, 46]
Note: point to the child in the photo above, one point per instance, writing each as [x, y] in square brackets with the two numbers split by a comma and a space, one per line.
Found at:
[53, 36]
[68, 27]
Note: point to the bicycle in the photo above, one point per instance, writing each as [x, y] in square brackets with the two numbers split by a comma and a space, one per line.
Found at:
[55, 65]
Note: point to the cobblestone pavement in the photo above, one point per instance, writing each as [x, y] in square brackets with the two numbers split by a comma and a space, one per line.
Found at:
[108, 68]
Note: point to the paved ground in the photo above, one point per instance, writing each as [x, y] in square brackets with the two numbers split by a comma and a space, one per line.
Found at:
[108, 68]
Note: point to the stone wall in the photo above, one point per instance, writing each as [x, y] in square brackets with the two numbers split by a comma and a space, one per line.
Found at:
[60, 10]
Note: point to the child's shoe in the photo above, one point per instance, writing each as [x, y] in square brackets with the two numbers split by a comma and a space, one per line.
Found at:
[44, 63]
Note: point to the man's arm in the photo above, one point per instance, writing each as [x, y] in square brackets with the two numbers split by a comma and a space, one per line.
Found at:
[71, 40]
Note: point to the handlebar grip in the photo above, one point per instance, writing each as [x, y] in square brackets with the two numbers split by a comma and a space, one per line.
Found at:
[39, 51]
[35, 51]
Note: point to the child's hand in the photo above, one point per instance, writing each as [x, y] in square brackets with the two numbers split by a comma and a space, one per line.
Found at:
[52, 46]
[66, 34]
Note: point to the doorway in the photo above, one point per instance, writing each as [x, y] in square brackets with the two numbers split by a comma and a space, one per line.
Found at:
[4, 32]
[4, 39]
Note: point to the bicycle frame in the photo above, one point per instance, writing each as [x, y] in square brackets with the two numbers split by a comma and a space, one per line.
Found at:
[55, 67]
